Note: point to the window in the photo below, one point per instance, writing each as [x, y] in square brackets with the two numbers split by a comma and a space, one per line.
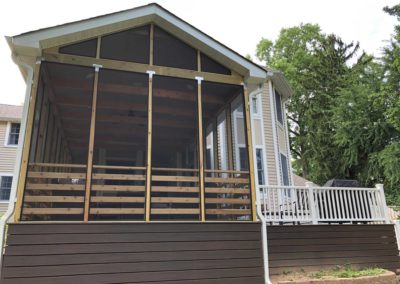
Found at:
[285, 170]
[209, 158]
[260, 167]
[5, 187]
[254, 105]
[278, 103]
[244, 166]
[13, 134]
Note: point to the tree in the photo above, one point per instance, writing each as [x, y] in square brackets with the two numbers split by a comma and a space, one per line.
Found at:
[316, 66]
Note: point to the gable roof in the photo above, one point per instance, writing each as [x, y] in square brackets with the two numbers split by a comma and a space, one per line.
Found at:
[10, 112]
[35, 41]
[26, 47]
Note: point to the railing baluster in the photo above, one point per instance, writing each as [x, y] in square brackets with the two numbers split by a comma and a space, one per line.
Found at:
[363, 206]
[334, 204]
[293, 201]
[341, 207]
[374, 204]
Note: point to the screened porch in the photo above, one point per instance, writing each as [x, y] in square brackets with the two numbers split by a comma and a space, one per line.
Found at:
[110, 144]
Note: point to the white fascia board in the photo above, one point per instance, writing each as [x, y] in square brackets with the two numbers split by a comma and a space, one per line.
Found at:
[32, 39]
[281, 84]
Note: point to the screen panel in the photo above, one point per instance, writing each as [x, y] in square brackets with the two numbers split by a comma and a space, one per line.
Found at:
[212, 66]
[56, 177]
[120, 146]
[132, 45]
[172, 52]
[86, 48]
[175, 160]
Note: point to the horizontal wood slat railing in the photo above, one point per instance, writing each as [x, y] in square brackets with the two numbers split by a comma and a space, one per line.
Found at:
[56, 192]
[117, 193]
[175, 194]
[313, 204]
[227, 195]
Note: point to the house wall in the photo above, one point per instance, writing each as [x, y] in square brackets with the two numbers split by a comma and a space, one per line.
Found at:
[275, 136]
[269, 136]
[8, 155]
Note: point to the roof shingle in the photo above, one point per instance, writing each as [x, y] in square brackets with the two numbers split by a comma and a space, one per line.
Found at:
[10, 112]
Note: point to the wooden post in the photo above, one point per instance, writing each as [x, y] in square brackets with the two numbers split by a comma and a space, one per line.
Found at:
[250, 153]
[91, 146]
[201, 151]
[149, 145]
[149, 128]
[151, 59]
[229, 136]
[215, 143]
[27, 144]
[98, 47]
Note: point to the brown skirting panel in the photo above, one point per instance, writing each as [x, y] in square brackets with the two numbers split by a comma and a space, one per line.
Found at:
[186, 253]
[312, 247]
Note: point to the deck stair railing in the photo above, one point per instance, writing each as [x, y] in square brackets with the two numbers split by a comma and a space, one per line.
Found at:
[318, 205]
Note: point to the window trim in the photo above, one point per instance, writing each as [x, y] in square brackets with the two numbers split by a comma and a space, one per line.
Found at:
[259, 147]
[6, 175]
[280, 124]
[7, 134]
[287, 168]
[257, 99]
[260, 116]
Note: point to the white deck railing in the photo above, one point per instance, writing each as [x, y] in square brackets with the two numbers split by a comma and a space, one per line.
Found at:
[312, 204]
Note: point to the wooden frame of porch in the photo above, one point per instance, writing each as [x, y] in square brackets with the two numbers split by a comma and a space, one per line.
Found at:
[220, 182]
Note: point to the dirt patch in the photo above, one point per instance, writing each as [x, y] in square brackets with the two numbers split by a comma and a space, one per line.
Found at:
[386, 277]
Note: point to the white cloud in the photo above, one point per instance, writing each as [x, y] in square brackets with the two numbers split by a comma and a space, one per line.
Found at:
[237, 24]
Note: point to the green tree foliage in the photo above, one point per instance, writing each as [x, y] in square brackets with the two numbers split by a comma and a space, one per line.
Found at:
[344, 115]
[316, 67]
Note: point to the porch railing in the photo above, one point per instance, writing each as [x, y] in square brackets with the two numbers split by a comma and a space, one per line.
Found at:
[316, 205]
[56, 192]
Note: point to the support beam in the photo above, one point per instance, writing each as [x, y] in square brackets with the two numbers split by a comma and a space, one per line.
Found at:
[141, 68]
[27, 144]
[201, 151]
[250, 153]
[149, 145]
[91, 147]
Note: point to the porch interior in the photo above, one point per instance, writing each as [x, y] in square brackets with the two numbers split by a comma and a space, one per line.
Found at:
[92, 149]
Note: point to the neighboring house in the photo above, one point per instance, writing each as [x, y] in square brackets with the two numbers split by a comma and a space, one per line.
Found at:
[299, 181]
[153, 153]
[10, 122]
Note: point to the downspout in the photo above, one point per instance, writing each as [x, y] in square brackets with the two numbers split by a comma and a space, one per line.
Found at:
[11, 206]
[264, 238]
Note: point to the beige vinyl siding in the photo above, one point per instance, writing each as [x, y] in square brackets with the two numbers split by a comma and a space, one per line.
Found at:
[3, 207]
[282, 140]
[7, 154]
[268, 139]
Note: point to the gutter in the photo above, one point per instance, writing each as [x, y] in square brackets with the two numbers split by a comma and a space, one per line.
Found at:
[11, 206]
